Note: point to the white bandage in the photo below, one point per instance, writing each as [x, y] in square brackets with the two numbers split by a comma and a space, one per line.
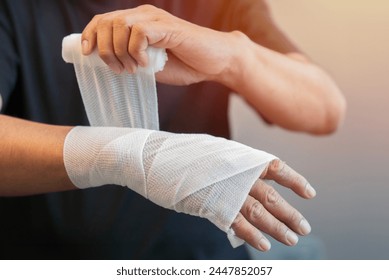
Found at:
[200, 175]
[195, 174]
[127, 100]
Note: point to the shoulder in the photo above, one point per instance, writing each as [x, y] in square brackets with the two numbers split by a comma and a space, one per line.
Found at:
[255, 19]
[252, 17]
[258, 7]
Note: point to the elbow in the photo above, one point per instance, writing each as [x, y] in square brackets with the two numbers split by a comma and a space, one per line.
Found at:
[332, 103]
[333, 116]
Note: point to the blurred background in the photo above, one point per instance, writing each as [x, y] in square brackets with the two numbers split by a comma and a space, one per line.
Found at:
[350, 169]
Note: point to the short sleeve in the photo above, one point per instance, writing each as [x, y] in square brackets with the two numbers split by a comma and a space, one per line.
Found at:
[8, 54]
[254, 18]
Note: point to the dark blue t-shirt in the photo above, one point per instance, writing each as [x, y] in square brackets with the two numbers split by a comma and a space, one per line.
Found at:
[108, 222]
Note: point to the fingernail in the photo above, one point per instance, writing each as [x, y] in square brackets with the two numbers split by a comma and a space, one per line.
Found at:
[291, 237]
[310, 191]
[305, 227]
[264, 244]
[85, 46]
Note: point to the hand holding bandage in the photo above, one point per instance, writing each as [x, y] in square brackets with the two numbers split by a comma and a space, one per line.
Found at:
[125, 100]
[195, 174]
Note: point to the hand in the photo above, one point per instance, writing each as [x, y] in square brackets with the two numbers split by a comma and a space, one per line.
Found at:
[194, 53]
[265, 210]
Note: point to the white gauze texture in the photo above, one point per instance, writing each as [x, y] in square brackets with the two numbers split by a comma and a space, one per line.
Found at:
[126, 100]
[196, 174]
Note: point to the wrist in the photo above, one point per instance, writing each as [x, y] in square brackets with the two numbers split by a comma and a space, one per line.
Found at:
[93, 156]
[81, 147]
[237, 62]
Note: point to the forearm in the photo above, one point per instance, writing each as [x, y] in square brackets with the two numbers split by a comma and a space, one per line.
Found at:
[31, 158]
[287, 90]
[32, 162]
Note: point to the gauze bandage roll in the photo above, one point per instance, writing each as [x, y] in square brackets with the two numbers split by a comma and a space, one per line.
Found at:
[196, 174]
[126, 100]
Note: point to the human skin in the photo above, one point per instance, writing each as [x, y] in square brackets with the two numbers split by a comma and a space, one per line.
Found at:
[274, 77]
[31, 162]
[270, 73]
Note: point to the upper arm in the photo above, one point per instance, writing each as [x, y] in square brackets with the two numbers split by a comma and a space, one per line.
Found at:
[254, 18]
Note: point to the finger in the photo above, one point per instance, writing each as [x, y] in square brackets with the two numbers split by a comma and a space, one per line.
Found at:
[105, 44]
[139, 43]
[275, 204]
[89, 36]
[151, 33]
[258, 216]
[121, 37]
[246, 231]
[284, 175]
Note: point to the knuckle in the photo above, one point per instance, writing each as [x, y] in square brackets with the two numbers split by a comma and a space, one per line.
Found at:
[121, 52]
[295, 181]
[138, 34]
[280, 169]
[256, 211]
[134, 51]
[106, 55]
[239, 34]
[276, 166]
[295, 217]
[152, 10]
[138, 30]
[119, 22]
[97, 17]
[280, 229]
[272, 197]
[103, 21]
[146, 7]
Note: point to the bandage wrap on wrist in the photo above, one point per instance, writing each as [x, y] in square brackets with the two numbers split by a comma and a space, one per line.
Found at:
[199, 174]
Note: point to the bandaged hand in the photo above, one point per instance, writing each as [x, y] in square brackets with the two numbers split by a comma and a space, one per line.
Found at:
[200, 175]
[264, 209]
